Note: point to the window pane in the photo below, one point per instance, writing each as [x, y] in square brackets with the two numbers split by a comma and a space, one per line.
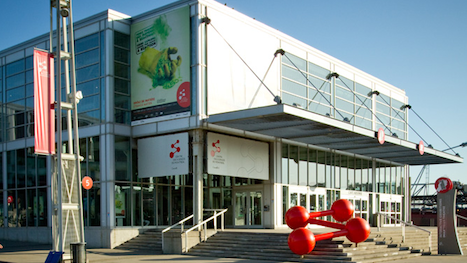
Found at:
[122, 158]
[15, 67]
[87, 58]
[86, 43]
[293, 74]
[122, 204]
[31, 207]
[89, 88]
[121, 39]
[15, 81]
[121, 55]
[293, 165]
[294, 88]
[121, 70]
[31, 168]
[317, 70]
[88, 103]
[122, 101]
[87, 73]
[294, 61]
[15, 94]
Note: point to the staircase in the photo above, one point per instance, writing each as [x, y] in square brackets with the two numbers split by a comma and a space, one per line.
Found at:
[381, 246]
[417, 241]
[271, 245]
[462, 234]
[148, 242]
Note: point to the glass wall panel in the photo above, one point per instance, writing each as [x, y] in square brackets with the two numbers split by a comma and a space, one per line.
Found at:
[31, 205]
[11, 169]
[149, 205]
[42, 206]
[303, 167]
[285, 164]
[321, 169]
[86, 43]
[12, 209]
[137, 207]
[312, 167]
[293, 165]
[337, 171]
[317, 70]
[163, 203]
[329, 170]
[21, 207]
[2, 209]
[123, 204]
[122, 158]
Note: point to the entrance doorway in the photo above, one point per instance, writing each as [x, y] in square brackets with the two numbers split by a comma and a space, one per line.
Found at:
[248, 209]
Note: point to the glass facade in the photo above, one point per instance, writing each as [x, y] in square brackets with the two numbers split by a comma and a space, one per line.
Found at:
[122, 78]
[317, 168]
[309, 86]
[25, 189]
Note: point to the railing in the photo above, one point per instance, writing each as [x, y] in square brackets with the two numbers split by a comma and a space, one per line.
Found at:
[181, 222]
[217, 212]
[403, 223]
[461, 217]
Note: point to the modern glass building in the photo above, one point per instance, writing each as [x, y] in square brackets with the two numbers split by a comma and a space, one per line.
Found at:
[195, 106]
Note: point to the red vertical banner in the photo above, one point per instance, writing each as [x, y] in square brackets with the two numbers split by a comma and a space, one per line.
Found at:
[44, 116]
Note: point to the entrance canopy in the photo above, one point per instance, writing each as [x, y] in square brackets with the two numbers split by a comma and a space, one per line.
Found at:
[288, 122]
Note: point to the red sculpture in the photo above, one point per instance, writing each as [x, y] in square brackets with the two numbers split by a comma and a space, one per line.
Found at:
[302, 241]
[297, 216]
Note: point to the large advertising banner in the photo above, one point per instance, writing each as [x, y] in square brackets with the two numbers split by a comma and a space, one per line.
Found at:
[163, 155]
[160, 71]
[237, 157]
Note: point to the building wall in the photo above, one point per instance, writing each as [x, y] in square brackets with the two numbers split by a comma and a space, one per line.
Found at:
[120, 203]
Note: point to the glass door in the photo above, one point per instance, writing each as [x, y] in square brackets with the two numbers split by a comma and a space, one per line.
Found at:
[248, 208]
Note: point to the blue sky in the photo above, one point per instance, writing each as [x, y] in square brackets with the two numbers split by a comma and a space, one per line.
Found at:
[419, 46]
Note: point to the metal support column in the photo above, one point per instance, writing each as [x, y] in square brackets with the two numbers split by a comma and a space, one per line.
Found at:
[67, 215]
[198, 149]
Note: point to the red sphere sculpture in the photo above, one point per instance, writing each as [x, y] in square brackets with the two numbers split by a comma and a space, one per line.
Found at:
[296, 217]
[359, 229]
[343, 210]
[301, 241]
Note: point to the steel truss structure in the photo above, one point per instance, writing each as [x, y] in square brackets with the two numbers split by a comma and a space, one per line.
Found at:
[67, 215]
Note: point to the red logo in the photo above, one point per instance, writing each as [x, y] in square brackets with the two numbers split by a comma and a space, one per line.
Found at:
[176, 148]
[183, 95]
[381, 136]
[216, 148]
[443, 185]
[10, 199]
[421, 148]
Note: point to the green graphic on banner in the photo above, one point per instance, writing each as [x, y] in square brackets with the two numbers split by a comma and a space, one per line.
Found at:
[160, 75]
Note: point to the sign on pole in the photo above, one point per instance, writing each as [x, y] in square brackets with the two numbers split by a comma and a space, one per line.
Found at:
[44, 118]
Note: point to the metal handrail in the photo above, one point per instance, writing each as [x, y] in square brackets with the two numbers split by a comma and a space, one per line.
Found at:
[181, 222]
[403, 227]
[204, 224]
[461, 217]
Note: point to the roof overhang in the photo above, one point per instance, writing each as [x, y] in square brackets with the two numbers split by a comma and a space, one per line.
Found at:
[292, 123]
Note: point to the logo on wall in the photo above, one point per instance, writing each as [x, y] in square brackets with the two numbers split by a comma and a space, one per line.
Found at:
[216, 148]
[177, 149]
[443, 185]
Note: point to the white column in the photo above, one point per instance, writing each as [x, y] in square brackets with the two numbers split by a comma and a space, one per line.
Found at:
[198, 149]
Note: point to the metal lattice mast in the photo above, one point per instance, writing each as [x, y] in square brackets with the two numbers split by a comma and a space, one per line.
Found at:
[67, 215]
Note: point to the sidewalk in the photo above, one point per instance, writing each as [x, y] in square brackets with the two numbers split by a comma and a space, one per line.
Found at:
[26, 252]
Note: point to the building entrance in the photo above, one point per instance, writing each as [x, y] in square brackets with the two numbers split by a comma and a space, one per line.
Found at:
[248, 209]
